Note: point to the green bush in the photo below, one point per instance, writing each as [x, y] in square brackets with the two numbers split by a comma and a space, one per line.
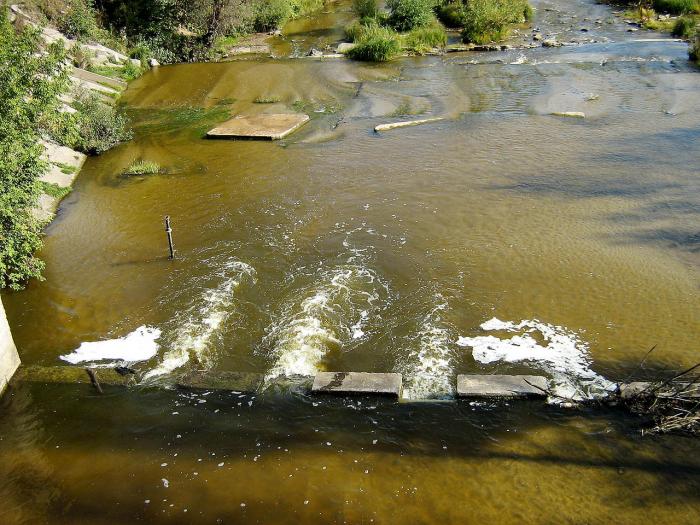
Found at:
[677, 7]
[80, 20]
[423, 39]
[684, 28]
[30, 84]
[271, 14]
[99, 126]
[489, 20]
[365, 8]
[452, 14]
[376, 44]
[409, 14]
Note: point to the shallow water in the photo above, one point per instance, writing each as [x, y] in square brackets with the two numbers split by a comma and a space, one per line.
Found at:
[343, 249]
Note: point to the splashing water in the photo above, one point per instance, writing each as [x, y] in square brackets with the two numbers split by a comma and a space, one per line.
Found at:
[563, 355]
[195, 336]
[332, 314]
[428, 369]
[139, 345]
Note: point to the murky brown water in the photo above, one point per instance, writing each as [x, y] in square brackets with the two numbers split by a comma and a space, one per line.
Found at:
[342, 249]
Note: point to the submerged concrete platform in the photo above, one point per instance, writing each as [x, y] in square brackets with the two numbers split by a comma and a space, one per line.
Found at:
[260, 127]
[501, 386]
[340, 383]
[234, 381]
[72, 374]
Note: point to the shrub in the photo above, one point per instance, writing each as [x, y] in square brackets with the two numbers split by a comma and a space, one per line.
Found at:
[30, 83]
[677, 7]
[489, 20]
[100, 126]
[143, 167]
[452, 14]
[684, 28]
[408, 14]
[423, 39]
[376, 44]
[365, 8]
[80, 20]
[271, 14]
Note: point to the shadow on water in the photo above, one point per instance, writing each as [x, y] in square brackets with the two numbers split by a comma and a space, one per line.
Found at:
[99, 458]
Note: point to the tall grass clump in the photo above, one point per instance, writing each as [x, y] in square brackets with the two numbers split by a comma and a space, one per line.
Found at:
[143, 167]
[489, 20]
[677, 7]
[684, 28]
[366, 8]
[423, 39]
[375, 44]
[409, 14]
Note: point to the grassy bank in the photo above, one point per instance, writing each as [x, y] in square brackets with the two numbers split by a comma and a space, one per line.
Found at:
[418, 26]
[409, 26]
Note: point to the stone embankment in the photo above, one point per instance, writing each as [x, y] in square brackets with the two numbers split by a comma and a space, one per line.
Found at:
[65, 163]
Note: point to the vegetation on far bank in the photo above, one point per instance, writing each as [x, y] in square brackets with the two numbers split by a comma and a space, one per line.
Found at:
[418, 26]
[33, 79]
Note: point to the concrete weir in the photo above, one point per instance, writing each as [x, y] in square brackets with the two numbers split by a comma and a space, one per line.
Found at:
[260, 127]
[357, 383]
[501, 386]
[9, 359]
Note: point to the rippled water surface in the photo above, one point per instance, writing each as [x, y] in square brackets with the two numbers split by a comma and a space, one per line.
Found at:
[500, 240]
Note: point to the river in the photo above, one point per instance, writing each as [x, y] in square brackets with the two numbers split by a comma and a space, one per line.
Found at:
[342, 249]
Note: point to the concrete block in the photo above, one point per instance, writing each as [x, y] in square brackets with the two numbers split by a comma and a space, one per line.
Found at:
[501, 386]
[236, 381]
[264, 127]
[9, 359]
[114, 83]
[72, 374]
[389, 384]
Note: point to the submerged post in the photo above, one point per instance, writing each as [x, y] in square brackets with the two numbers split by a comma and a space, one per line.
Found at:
[169, 232]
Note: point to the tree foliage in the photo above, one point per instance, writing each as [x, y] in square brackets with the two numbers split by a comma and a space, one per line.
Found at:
[30, 83]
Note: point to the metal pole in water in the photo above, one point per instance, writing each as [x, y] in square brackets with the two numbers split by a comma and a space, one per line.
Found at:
[169, 232]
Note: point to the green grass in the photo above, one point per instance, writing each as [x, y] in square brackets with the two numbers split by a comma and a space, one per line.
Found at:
[424, 39]
[128, 72]
[376, 44]
[266, 100]
[490, 20]
[316, 108]
[54, 190]
[677, 7]
[684, 27]
[143, 167]
[66, 168]
[404, 109]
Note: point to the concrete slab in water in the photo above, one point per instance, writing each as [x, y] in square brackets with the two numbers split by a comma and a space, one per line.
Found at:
[357, 383]
[9, 360]
[262, 127]
[501, 386]
[236, 381]
[72, 374]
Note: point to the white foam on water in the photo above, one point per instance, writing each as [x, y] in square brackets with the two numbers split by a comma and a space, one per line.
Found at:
[194, 337]
[563, 355]
[139, 345]
[428, 369]
[332, 313]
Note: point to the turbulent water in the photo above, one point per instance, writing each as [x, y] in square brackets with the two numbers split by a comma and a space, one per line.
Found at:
[502, 239]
